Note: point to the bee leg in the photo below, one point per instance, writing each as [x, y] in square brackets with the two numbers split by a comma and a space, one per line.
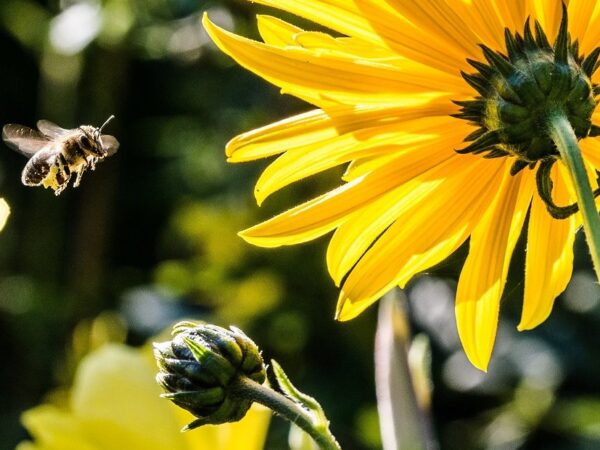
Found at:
[59, 189]
[79, 176]
[92, 160]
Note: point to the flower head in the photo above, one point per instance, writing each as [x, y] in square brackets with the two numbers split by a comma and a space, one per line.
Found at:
[198, 366]
[437, 107]
[115, 403]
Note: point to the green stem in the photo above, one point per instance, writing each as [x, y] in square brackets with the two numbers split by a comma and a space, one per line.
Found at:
[280, 404]
[562, 134]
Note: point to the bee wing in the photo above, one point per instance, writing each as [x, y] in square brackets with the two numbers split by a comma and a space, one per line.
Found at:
[23, 139]
[51, 130]
[109, 144]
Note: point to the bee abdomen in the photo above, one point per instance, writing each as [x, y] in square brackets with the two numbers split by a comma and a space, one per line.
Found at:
[37, 168]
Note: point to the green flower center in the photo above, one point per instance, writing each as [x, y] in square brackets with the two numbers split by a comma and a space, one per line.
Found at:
[519, 90]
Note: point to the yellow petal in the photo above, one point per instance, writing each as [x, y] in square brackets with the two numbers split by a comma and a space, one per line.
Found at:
[590, 149]
[4, 213]
[391, 139]
[315, 126]
[440, 18]
[315, 74]
[427, 231]
[549, 14]
[549, 260]
[483, 276]
[512, 12]
[115, 399]
[580, 15]
[363, 166]
[485, 21]
[275, 31]
[591, 36]
[372, 21]
[55, 429]
[134, 402]
[339, 15]
[32, 446]
[246, 434]
[322, 214]
[352, 239]
[346, 46]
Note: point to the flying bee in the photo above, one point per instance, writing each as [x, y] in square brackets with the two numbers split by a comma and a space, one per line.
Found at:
[56, 154]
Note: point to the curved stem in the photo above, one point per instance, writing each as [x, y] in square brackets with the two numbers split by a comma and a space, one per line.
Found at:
[562, 134]
[280, 404]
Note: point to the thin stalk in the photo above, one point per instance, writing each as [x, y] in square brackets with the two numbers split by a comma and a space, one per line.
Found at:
[562, 134]
[280, 404]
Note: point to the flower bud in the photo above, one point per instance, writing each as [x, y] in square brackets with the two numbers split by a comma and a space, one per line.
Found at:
[198, 366]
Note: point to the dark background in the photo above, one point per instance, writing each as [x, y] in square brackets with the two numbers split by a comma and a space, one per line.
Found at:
[150, 237]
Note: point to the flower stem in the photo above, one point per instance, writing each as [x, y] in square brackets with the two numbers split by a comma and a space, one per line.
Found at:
[280, 404]
[562, 134]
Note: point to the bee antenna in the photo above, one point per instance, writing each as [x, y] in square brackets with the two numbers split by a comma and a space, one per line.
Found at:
[107, 120]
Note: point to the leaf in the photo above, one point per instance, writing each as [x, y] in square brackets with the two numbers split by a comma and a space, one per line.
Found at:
[404, 425]
[302, 399]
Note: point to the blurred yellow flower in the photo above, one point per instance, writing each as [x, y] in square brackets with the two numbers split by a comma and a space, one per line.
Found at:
[4, 212]
[385, 85]
[114, 405]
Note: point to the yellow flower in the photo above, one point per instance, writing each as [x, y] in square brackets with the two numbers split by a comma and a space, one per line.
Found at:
[387, 84]
[4, 213]
[115, 404]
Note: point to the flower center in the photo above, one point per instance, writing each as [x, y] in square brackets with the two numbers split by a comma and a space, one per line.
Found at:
[519, 90]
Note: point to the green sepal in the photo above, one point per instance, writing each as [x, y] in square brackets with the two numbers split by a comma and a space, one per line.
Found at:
[497, 61]
[214, 363]
[207, 397]
[225, 342]
[590, 63]
[561, 45]
[479, 83]
[517, 166]
[191, 370]
[252, 362]
[540, 37]
[512, 46]
[195, 424]
[184, 326]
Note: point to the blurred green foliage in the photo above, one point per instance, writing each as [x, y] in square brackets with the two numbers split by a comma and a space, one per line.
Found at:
[150, 237]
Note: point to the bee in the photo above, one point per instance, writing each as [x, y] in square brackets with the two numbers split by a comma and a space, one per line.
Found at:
[56, 154]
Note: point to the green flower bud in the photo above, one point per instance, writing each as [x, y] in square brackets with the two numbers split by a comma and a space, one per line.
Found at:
[198, 366]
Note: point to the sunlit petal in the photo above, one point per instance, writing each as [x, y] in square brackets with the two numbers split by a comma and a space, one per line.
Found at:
[549, 260]
[482, 279]
[425, 233]
[332, 75]
[4, 212]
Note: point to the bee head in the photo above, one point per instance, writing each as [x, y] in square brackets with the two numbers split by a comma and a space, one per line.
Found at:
[90, 142]
[93, 141]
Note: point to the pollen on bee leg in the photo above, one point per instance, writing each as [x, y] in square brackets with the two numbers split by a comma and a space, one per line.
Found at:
[50, 181]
